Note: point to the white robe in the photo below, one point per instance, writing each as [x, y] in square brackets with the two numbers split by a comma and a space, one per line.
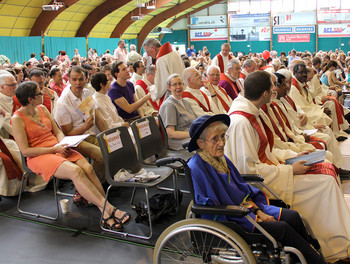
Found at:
[165, 66]
[197, 109]
[326, 135]
[314, 112]
[135, 77]
[225, 97]
[147, 108]
[317, 90]
[316, 196]
[225, 59]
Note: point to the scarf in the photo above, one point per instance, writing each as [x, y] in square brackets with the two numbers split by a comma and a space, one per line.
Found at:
[219, 164]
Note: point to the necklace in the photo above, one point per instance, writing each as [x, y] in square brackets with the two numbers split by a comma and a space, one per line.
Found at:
[41, 124]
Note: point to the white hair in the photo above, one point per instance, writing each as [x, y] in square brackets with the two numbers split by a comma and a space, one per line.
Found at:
[132, 47]
[276, 62]
[233, 62]
[211, 67]
[187, 74]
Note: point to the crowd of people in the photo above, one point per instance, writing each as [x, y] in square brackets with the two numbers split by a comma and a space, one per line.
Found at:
[274, 108]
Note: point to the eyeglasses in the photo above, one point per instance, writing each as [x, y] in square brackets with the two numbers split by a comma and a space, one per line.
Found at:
[177, 84]
[215, 140]
[11, 85]
[216, 75]
[41, 94]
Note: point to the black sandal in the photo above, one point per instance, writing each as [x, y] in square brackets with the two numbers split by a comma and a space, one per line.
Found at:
[113, 226]
[120, 220]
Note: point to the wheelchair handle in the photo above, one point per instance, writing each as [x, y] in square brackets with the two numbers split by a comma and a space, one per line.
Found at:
[185, 145]
[170, 160]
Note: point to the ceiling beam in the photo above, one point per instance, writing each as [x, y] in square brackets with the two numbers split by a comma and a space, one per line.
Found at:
[148, 27]
[97, 14]
[45, 18]
[126, 21]
[190, 13]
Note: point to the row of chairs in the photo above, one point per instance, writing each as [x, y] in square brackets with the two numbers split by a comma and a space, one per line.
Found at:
[150, 146]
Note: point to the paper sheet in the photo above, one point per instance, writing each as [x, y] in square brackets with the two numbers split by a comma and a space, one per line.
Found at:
[309, 132]
[72, 141]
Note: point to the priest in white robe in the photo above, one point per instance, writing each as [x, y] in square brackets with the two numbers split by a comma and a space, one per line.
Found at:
[167, 63]
[315, 196]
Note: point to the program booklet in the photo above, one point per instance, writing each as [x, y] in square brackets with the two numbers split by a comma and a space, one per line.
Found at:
[311, 158]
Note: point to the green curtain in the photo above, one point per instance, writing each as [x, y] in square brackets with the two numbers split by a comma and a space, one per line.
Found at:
[103, 44]
[54, 44]
[20, 48]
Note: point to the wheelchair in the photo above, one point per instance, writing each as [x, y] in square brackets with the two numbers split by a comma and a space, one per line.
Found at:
[196, 240]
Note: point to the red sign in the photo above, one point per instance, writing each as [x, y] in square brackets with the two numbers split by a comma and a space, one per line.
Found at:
[294, 38]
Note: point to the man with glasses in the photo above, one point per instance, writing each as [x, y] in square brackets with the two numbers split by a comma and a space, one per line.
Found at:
[249, 66]
[224, 101]
[50, 96]
[230, 81]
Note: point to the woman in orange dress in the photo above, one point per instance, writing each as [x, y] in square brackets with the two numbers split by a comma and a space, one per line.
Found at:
[36, 134]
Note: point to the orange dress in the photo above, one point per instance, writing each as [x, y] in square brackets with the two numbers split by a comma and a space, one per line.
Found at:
[41, 136]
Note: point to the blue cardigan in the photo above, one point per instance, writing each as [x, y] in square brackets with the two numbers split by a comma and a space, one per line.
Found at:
[215, 188]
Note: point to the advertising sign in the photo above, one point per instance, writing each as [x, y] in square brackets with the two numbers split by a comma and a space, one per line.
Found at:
[208, 21]
[294, 29]
[333, 30]
[208, 34]
[250, 34]
[293, 38]
[291, 19]
[334, 16]
[250, 27]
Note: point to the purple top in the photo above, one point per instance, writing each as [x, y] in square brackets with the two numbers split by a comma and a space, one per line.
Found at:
[228, 88]
[127, 92]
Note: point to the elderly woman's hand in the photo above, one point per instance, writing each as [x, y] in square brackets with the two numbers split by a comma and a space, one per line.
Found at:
[264, 217]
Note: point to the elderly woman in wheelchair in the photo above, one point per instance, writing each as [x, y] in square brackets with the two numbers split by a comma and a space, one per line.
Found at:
[216, 182]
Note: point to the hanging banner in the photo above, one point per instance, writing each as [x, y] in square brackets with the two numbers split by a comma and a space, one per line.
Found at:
[293, 38]
[250, 20]
[208, 22]
[333, 16]
[333, 30]
[292, 19]
[208, 34]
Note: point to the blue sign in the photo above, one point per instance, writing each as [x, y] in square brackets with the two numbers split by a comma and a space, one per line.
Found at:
[277, 30]
[307, 29]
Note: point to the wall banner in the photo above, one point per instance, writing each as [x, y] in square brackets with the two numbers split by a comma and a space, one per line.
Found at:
[250, 34]
[286, 38]
[208, 22]
[208, 34]
[294, 29]
[333, 16]
[333, 30]
[250, 20]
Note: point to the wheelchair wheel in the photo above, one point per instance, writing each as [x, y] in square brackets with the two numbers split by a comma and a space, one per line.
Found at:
[201, 241]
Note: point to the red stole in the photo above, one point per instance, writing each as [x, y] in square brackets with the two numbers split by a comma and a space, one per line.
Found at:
[263, 139]
[187, 94]
[221, 62]
[296, 84]
[291, 102]
[224, 104]
[234, 85]
[11, 167]
[164, 49]
[242, 75]
[338, 110]
[275, 128]
[144, 87]
[285, 119]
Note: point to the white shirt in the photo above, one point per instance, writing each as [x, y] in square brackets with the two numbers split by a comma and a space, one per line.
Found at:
[135, 77]
[67, 112]
[120, 54]
[106, 110]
